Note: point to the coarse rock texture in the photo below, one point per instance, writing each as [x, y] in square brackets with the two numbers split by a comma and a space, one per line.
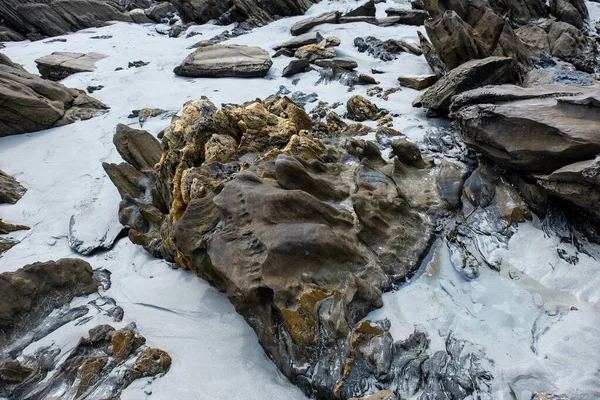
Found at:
[360, 109]
[301, 40]
[250, 12]
[33, 291]
[57, 17]
[10, 190]
[470, 75]
[528, 128]
[29, 103]
[226, 61]
[101, 365]
[408, 17]
[263, 222]
[386, 50]
[59, 65]
[417, 82]
[548, 129]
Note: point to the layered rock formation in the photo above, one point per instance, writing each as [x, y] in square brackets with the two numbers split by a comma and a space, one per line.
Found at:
[226, 61]
[35, 19]
[257, 200]
[29, 103]
[551, 130]
[251, 12]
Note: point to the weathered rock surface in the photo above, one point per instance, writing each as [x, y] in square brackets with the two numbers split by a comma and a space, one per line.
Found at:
[250, 12]
[386, 50]
[341, 62]
[59, 65]
[314, 52]
[10, 190]
[470, 75]
[528, 129]
[360, 109]
[58, 17]
[103, 364]
[408, 17]
[418, 82]
[264, 236]
[29, 103]
[226, 61]
[296, 67]
[33, 291]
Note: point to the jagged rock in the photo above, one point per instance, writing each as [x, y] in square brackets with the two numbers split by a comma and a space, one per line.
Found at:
[97, 367]
[307, 24]
[433, 60]
[33, 291]
[313, 52]
[226, 60]
[418, 82]
[385, 50]
[59, 65]
[542, 135]
[569, 44]
[7, 228]
[251, 12]
[137, 147]
[573, 12]
[58, 17]
[29, 103]
[408, 17]
[264, 236]
[10, 190]
[341, 62]
[381, 395]
[296, 67]
[366, 10]
[301, 40]
[578, 183]
[360, 109]
[450, 182]
[470, 75]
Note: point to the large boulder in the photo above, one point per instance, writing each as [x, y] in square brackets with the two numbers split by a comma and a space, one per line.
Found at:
[470, 75]
[573, 12]
[226, 61]
[530, 129]
[29, 103]
[303, 241]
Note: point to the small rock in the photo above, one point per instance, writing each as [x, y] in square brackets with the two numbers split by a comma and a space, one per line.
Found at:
[313, 52]
[344, 63]
[307, 24]
[137, 64]
[59, 65]
[418, 82]
[361, 109]
[408, 153]
[301, 40]
[92, 89]
[295, 67]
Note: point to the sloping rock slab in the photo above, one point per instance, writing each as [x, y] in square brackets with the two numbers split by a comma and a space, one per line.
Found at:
[539, 134]
[470, 75]
[307, 24]
[226, 61]
[29, 103]
[59, 65]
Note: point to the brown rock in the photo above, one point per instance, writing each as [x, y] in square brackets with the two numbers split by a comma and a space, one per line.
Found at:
[360, 109]
[418, 82]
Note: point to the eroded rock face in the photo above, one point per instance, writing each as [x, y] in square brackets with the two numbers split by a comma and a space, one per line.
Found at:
[29, 103]
[103, 364]
[529, 129]
[251, 12]
[10, 190]
[34, 290]
[58, 17]
[303, 244]
[226, 61]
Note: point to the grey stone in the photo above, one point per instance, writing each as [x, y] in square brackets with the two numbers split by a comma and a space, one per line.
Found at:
[307, 24]
[59, 65]
[226, 61]
[345, 63]
[301, 40]
[295, 67]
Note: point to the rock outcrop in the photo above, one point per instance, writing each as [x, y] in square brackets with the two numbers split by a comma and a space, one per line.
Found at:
[36, 18]
[226, 61]
[29, 103]
[548, 131]
[470, 75]
[250, 12]
[251, 199]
